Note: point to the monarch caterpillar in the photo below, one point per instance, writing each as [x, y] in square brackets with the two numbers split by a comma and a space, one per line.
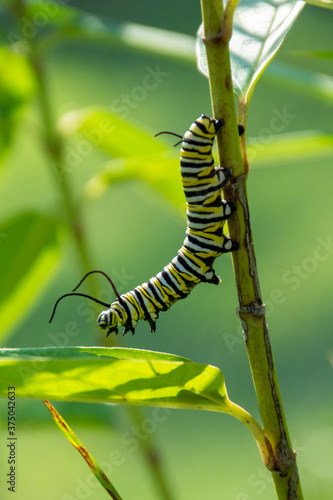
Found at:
[204, 242]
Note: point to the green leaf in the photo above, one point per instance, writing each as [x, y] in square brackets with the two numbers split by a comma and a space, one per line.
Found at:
[315, 85]
[138, 153]
[91, 462]
[259, 29]
[29, 252]
[296, 146]
[108, 132]
[112, 375]
[318, 54]
[327, 4]
[159, 170]
[121, 376]
[72, 22]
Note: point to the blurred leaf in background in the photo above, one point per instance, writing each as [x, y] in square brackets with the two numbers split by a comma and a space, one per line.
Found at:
[29, 255]
[137, 153]
[17, 86]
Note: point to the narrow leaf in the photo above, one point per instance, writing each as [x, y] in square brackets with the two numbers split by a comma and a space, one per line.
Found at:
[159, 170]
[72, 22]
[318, 54]
[91, 462]
[327, 4]
[259, 29]
[294, 147]
[315, 85]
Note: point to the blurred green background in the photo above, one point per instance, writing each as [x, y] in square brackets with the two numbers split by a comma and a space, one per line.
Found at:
[133, 231]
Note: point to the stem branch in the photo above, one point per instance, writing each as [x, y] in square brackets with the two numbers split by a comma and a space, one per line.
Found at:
[257, 432]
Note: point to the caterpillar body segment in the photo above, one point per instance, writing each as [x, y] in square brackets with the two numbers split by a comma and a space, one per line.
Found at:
[204, 241]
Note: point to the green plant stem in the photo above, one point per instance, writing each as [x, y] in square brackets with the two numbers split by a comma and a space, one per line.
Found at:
[251, 308]
[242, 117]
[54, 146]
[151, 454]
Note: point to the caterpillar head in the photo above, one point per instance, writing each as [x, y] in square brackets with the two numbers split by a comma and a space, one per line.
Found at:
[206, 126]
[108, 319]
[212, 125]
[104, 318]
